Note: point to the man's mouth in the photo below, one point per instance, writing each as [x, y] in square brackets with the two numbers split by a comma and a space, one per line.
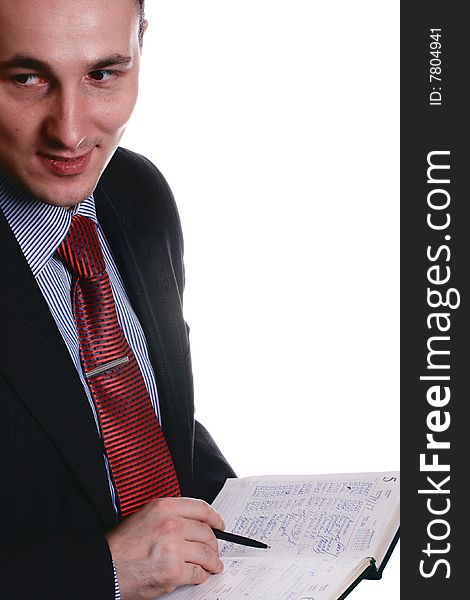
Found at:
[64, 165]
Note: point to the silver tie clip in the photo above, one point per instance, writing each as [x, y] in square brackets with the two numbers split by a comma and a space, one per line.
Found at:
[107, 366]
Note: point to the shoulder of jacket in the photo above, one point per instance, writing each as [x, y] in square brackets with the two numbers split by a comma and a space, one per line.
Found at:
[129, 170]
[133, 188]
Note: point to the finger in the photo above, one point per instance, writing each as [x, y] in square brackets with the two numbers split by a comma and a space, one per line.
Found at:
[204, 556]
[194, 574]
[190, 508]
[195, 531]
[201, 511]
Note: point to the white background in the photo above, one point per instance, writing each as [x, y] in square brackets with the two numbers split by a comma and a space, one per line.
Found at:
[276, 124]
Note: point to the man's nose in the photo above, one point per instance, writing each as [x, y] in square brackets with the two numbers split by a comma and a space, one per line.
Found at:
[66, 121]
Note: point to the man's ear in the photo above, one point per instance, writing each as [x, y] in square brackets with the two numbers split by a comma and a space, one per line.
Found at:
[142, 30]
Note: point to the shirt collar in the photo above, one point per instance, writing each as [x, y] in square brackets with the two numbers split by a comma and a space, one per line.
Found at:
[39, 228]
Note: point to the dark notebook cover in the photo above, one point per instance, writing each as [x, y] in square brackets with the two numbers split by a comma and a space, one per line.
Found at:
[372, 572]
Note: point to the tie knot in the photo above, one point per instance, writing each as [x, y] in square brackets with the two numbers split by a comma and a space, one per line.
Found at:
[80, 251]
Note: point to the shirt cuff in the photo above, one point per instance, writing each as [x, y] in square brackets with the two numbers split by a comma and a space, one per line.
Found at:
[117, 591]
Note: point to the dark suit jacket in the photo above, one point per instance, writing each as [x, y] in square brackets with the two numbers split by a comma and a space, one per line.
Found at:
[55, 502]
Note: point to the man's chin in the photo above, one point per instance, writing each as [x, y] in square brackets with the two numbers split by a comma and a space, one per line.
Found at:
[66, 193]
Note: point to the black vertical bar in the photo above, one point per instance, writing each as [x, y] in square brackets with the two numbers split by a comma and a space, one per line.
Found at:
[435, 251]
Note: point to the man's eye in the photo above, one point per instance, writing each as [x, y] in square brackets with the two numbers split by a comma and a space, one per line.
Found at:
[28, 80]
[101, 75]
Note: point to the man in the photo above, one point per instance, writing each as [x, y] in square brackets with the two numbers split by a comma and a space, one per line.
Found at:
[75, 522]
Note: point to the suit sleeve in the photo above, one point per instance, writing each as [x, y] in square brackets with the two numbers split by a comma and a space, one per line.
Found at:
[57, 568]
[211, 469]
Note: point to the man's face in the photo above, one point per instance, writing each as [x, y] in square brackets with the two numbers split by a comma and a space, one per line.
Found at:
[68, 85]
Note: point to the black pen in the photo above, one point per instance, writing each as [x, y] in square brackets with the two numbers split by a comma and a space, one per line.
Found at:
[238, 539]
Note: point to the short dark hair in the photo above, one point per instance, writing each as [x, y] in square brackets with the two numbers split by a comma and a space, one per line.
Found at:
[141, 4]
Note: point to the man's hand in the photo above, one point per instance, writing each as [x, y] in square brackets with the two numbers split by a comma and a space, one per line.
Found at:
[167, 543]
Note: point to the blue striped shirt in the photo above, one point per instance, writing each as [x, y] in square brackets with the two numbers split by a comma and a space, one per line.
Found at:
[39, 229]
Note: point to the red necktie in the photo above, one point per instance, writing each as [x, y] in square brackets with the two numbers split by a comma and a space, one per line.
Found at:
[140, 462]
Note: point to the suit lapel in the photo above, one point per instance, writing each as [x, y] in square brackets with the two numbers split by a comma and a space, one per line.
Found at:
[153, 291]
[35, 360]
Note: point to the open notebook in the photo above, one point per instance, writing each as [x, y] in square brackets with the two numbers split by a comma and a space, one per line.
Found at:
[326, 533]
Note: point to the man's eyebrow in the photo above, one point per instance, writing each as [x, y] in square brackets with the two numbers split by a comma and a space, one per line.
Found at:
[113, 59]
[25, 61]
